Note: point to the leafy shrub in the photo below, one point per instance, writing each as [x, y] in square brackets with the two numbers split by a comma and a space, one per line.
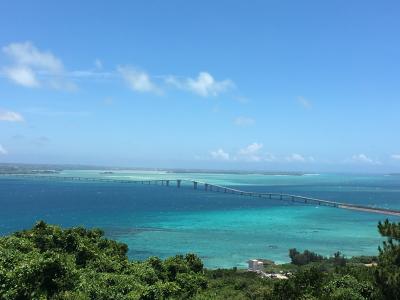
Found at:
[301, 259]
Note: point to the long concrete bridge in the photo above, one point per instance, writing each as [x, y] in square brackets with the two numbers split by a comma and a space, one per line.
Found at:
[208, 187]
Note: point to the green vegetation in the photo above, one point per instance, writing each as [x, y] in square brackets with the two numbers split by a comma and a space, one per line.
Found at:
[301, 259]
[388, 273]
[48, 262]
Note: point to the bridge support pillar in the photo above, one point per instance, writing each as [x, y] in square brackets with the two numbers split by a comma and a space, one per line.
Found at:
[270, 196]
[178, 183]
[280, 196]
[167, 182]
[195, 185]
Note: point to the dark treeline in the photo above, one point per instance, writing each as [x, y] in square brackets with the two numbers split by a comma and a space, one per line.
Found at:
[307, 257]
[47, 262]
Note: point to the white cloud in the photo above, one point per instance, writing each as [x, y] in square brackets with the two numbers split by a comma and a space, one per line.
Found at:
[26, 54]
[138, 80]
[22, 75]
[395, 156]
[254, 153]
[244, 121]
[251, 152]
[204, 85]
[304, 102]
[251, 149]
[362, 158]
[10, 116]
[33, 68]
[2, 150]
[220, 155]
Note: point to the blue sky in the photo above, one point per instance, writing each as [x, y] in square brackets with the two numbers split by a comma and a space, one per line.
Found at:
[266, 85]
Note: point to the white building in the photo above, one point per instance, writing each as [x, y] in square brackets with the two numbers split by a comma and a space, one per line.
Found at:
[255, 265]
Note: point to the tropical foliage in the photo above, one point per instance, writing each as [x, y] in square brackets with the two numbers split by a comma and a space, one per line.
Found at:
[388, 273]
[48, 262]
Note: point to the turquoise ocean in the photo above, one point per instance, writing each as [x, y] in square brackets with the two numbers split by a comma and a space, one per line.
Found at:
[224, 230]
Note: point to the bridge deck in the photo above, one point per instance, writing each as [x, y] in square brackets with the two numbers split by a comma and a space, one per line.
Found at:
[218, 188]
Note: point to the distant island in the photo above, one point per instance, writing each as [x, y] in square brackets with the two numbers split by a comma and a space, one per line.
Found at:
[28, 169]
[17, 168]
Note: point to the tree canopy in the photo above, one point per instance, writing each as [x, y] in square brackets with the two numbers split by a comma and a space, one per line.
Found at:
[48, 262]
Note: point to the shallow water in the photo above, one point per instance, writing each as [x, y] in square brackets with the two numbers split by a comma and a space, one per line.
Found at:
[225, 230]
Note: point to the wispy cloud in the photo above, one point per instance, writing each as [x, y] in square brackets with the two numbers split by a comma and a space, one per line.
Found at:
[295, 157]
[40, 111]
[98, 64]
[304, 102]
[220, 154]
[34, 68]
[10, 116]
[138, 80]
[364, 159]
[27, 54]
[269, 157]
[2, 150]
[395, 156]
[92, 74]
[244, 121]
[204, 85]
[251, 152]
